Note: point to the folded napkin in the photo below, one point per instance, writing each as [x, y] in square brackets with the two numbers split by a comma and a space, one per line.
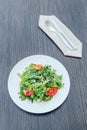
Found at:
[66, 51]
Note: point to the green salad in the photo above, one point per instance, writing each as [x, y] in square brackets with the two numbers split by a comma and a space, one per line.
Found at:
[39, 82]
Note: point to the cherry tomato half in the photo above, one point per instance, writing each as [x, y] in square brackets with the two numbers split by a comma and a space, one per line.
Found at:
[51, 91]
[28, 92]
[38, 66]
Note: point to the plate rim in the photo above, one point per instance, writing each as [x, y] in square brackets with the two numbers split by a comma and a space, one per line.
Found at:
[32, 57]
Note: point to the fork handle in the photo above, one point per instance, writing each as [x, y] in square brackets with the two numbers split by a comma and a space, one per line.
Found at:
[66, 41]
[70, 42]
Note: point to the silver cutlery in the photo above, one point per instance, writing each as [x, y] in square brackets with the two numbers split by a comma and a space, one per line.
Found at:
[53, 27]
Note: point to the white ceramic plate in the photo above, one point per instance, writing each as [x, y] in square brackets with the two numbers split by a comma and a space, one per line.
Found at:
[38, 107]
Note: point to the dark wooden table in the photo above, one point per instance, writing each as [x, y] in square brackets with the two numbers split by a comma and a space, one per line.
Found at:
[21, 37]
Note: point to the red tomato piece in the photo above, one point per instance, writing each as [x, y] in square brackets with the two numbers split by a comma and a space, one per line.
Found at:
[51, 91]
[38, 66]
[28, 92]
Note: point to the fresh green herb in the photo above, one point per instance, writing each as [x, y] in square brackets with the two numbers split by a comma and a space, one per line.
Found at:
[39, 82]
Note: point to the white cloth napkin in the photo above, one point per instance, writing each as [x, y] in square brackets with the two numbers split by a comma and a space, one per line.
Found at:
[66, 51]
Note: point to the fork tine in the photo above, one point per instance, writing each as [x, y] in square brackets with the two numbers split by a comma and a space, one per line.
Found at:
[47, 22]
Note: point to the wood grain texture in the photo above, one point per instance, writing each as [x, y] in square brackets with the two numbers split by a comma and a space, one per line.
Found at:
[21, 37]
